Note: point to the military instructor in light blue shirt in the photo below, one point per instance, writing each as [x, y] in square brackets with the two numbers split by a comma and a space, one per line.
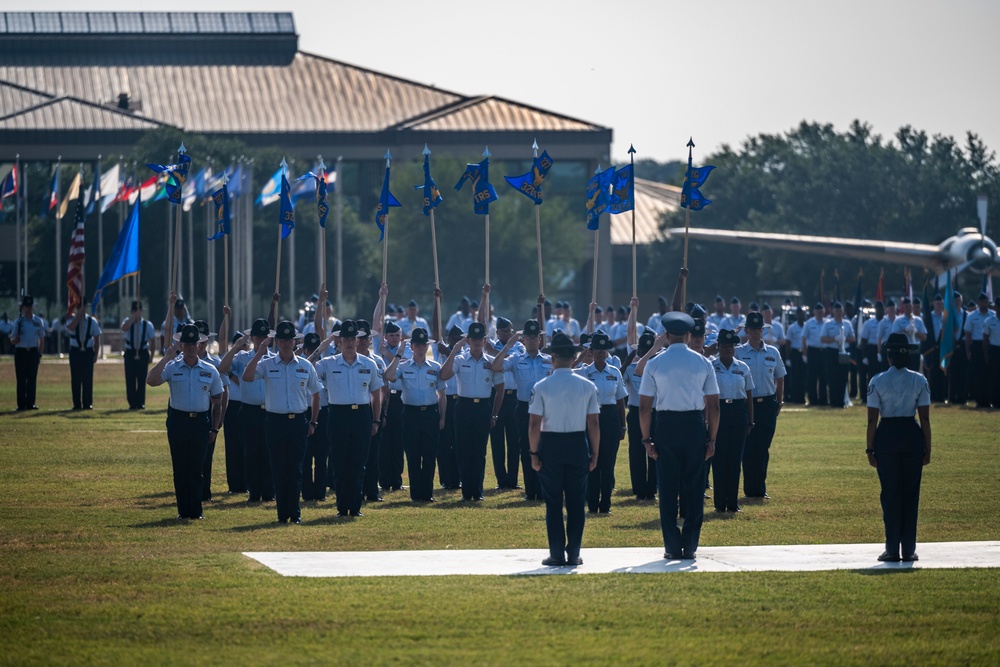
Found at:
[564, 439]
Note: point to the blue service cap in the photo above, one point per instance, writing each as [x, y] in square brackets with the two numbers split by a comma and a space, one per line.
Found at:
[677, 323]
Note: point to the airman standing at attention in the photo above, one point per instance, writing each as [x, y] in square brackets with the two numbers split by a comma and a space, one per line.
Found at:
[476, 413]
[835, 335]
[504, 442]
[884, 329]
[816, 381]
[291, 400]
[353, 384]
[715, 319]
[912, 325]
[139, 334]
[424, 406]
[768, 375]
[868, 344]
[28, 338]
[611, 395]
[975, 351]
[735, 420]
[796, 354]
[526, 368]
[84, 348]
[641, 467]
[686, 394]
[387, 342]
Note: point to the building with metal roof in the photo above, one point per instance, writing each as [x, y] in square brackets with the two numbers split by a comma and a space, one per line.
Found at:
[79, 84]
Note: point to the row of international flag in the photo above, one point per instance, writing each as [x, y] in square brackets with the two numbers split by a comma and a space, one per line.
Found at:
[611, 190]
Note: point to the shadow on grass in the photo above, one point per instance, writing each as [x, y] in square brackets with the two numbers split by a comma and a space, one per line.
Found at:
[161, 523]
[887, 568]
[273, 523]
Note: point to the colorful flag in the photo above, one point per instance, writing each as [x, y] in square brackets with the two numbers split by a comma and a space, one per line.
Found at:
[74, 270]
[9, 185]
[53, 199]
[91, 196]
[193, 190]
[927, 314]
[880, 290]
[598, 195]
[176, 176]
[949, 325]
[432, 196]
[286, 213]
[385, 200]
[124, 260]
[271, 191]
[221, 199]
[694, 178]
[72, 195]
[482, 192]
[622, 191]
[530, 184]
[110, 187]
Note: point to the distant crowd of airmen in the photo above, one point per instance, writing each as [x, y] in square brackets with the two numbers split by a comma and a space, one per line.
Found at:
[322, 404]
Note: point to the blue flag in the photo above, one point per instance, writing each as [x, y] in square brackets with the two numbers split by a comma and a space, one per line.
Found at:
[385, 200]
[176, 176]
[236, 181]
[124, 259]
[530, 184]
[322, 201]
[949, 326]
[694, 178]
[221, 199]
[482, 192]
[271, 191]
[432, 196]
[95, 189]
[286, 214]
[622, 191]
[598, 196]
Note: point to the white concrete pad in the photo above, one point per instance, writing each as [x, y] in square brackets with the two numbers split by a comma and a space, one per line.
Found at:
[787, 558]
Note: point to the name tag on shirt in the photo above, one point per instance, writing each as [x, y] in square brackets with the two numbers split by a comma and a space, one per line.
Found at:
[364, 371]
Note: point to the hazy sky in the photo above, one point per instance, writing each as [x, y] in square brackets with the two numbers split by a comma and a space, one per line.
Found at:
[658, 71]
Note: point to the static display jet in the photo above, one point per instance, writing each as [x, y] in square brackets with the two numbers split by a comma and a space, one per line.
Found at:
[969, 249]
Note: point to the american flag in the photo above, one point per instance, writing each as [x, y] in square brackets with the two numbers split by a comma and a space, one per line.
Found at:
[74, 272]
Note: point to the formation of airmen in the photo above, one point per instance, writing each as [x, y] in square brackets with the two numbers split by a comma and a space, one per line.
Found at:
[323, 404]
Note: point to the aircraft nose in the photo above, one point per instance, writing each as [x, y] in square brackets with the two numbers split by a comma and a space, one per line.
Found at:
[982, 257]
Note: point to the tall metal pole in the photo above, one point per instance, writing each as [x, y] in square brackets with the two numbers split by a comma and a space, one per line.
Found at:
[281, 229]
[385, 241]
[57, 289]
[687, 219]
[434, 251]
[486, 154]
[24, 217]
[339, 224]
[321, 230]
[631, 154]
[177, 232]
[248, 244]
[17, 218]
[538, 229]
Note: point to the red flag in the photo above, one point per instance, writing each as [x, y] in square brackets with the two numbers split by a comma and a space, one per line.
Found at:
[880, 292]
[74, 272]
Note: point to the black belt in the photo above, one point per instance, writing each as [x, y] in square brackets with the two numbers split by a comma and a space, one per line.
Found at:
[901, 420]
[289, 415]
[729, 401]
[761, 399]
[349, 406]
[394, 391]
[188, 415]
[453, 396]
[508, 392]
[420, 408]
[610, 406]
[474, 400]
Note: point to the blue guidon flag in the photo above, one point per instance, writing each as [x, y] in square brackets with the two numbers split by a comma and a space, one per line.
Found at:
[482, 192]
[530, 184]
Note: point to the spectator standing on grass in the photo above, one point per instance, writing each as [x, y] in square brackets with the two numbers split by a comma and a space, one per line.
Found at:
[897, 447]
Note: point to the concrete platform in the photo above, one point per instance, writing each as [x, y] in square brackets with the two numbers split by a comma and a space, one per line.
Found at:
[785, 558]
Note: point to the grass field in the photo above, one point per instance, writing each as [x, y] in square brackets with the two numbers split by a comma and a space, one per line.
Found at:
[96, 570]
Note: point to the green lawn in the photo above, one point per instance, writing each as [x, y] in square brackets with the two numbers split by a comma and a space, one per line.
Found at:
[95, 569]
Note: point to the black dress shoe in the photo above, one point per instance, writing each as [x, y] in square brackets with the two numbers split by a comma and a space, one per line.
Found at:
[687, 555]
[912, 557]
[669, 556]
[735, 509]
[574, 561]
[554, 562]
[297, 521]
[607, 511]
[887, 557]
[355, 513]
[268, 499]
[33, 407]
[343, 514]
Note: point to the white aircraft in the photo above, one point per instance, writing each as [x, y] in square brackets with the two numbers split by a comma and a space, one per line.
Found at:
[969, 249]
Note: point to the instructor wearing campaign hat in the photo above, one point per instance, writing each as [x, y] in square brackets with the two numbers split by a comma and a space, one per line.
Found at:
[193, 417]
[564, 438]
[291, 400]
[686, 394]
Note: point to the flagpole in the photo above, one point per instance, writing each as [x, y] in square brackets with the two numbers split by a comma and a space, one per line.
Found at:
[385, 241]
[429, 197]
[95, 197]
[322, 232]
[687, 221]
[58, 290]
[631, 155]
[597, 245]
[486, 154]
[538, 227]
[24, 223]
[17, 219]
[177, 231]
[225, 251]
[281, 229]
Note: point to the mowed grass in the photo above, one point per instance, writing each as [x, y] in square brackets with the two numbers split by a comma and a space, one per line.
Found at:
[96, 570]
